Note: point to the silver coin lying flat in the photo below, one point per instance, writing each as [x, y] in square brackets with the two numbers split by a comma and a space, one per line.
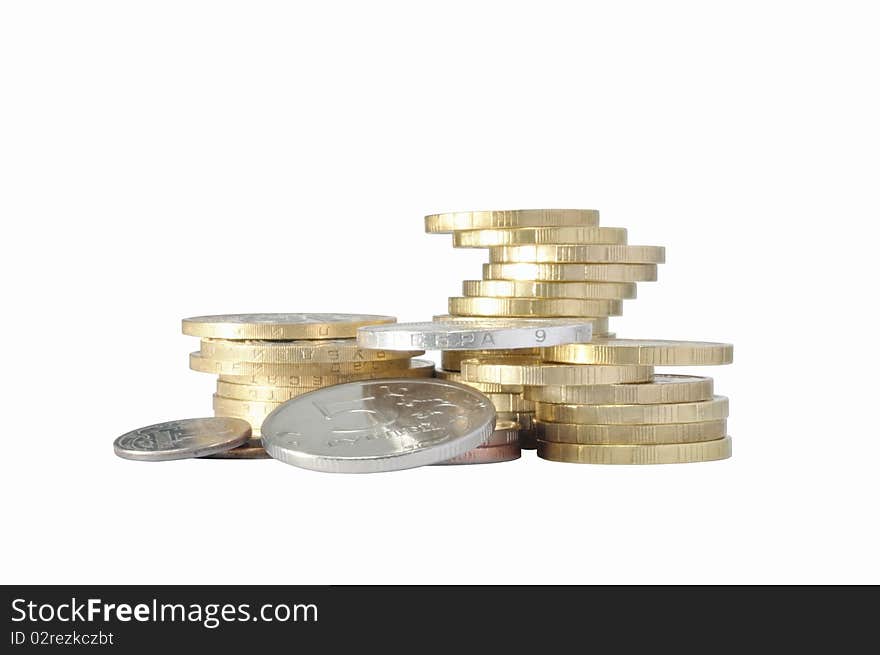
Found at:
[370, 426]
[191, 437]
[474, 335]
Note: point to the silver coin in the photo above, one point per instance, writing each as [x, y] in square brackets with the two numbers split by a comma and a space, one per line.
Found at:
[371, 426]
[190, 437]
[473, 335]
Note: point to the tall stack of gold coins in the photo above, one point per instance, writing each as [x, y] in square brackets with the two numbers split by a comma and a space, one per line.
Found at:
[592, 403]
[263, 360]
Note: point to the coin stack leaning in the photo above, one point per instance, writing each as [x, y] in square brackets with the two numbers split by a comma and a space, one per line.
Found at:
[263, 360]
[596, 402]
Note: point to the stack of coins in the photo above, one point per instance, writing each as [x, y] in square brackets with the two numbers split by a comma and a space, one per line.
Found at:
[596, 402]
[263, 360]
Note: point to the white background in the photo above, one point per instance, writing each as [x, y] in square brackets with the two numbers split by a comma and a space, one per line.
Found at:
[167, 159]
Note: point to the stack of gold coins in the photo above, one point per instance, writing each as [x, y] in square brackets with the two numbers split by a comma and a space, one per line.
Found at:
[573, 400]
[263, 360]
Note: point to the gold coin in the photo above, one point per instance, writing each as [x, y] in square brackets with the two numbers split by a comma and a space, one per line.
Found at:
[531, 289]
[704, 410]
[255, 420]
[631, 434]
[450, 360]
[535, 235]
[584, 254]
[525, 420]
[303, 351]
[531, 371]
[280, 326]
[600, 324]
[642, 351]
[479, 220]
[571, 272]
[663, 389]
[676, 453]
[456, 376]
[486, 455]
[534, 307]
[510, 402]
[506, 434]
[418, 368]
[528, 439]
[259, 393]
[198, 362]
[235, 407]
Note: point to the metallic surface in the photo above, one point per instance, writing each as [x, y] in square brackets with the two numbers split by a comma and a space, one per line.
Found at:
[418, 368]
[631, 434]
[649, 352]
[246, 451]
[533, 307]
[502, 436]
[459, 335]
[183, 439]
[510, 402]
[703, 451]
[280, 326]
[486, 455]
[532, 289]
[301, 351]
[198, 362]
[478, 220]
[706, 410]
[529, 371]
[600, 324]
[663, 389]
[527, 236]
[593, 253]
[380, 425]
[450, 360]
[571, 272]
[259, 393]
[485, 387]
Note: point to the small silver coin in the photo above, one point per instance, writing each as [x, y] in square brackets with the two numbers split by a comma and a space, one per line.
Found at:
[191, 437]
[473, 335]
[370, 426]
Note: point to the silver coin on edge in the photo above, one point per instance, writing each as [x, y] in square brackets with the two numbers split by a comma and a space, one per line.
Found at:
[371, 426]
[474, 335]
[190, 437]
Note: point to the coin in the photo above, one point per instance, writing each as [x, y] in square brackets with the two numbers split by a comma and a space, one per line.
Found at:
[571, 272]
[243, 408]
[280, 326]
[702, 451]
[247, 451]
[303, 351]
[486, 455]
[600, 324]
[510, 402]
[532, 307]
[524, 419]
[631, 434]
[592, 253]
[191, 437]
[527, 236]
[653, 352]
[418, 368]
[528, 439]
[663, 389]
[436, 335]
[450, 222]
[705, 410]
[378, 425]
[456, 376]
[258, 392]
[450, 360]
[532, 289]
[530, 371]
[507, 433]
[198, 362]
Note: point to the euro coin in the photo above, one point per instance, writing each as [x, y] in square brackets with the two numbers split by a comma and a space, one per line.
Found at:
[535, 235]
[456, 376]
[515, 218]
[259, 393]
[702, 451]
[531, 289]
[302, 351]
[571, 272]
[442, 335]
[529, 371]
[378, 425]
[510, 402]
[450, 360]
[706, 410]
[592, 253]
[198, 362]
[631, 434]
[487, 455]
[600, 324]
[662, 389]
[643, 351]
[280, 326]
[417, 368]
[534, 307]
[192, 437]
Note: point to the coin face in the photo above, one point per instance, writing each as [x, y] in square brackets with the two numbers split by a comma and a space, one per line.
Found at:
[192, 437]
[473, 335]
[378, 425]
[280, 326]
